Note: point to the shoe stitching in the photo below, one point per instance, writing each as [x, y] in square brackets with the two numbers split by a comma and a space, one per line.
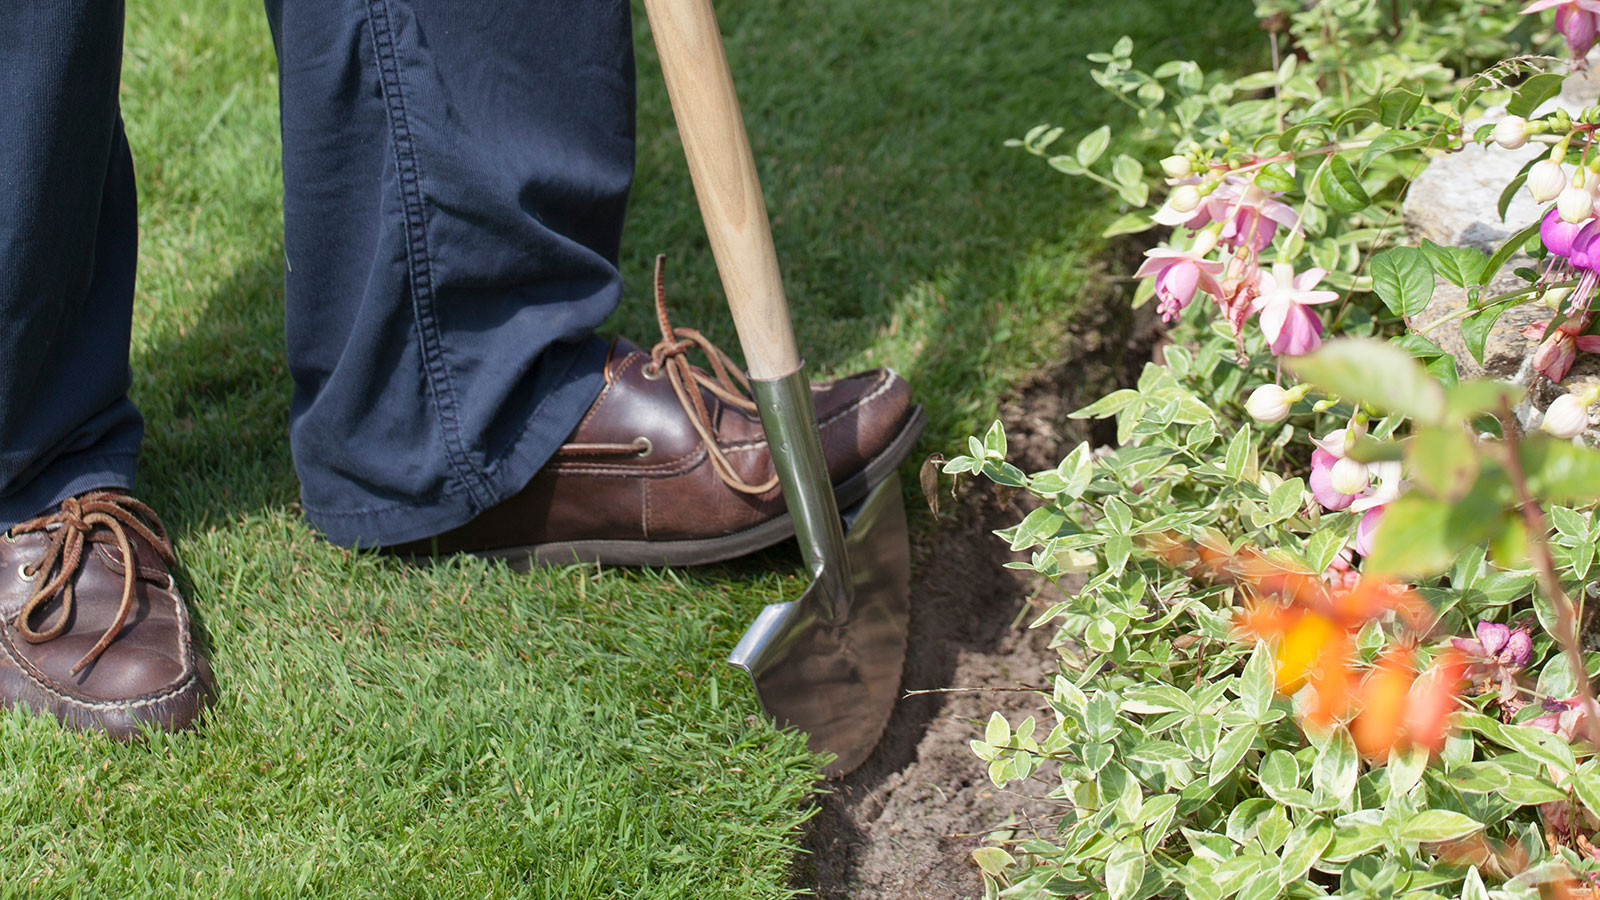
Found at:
[838, 414]
[138, 703]
[187, 675]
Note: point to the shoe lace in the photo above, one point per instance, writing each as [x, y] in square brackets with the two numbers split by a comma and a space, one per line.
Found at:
[71, 528]
[727, 384]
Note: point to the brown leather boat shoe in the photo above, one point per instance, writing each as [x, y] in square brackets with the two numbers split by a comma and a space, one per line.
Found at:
[100, 643]
[670, 466]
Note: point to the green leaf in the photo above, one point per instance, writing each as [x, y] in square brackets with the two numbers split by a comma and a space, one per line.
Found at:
[1391, 142]
[1396, 107]
[1093, 145]
[1476, 327]
[1421, 536]
[1126, 170]
[1129, 223]
[1109, 405]
[1337, 766]
[1376, 373]
[1230, 750]
[1531, 791]
[1124, 873]
[1263, 886]
[1239, 453]
[998, 732]
[994, 441]
[1460, 266]
[1438, 825]
[1442, 460]
[1303, 849]
[1560, 472]
[1274, 177]
[1403, 279]
[1341, 188]
[1404, 771]
[993, 860]
[1587, 786]
[1507, 250]
[1284, 501]
[1480, 777]
[1255, 684]
[1533, 92]
[1473, 887]
[1480, 395]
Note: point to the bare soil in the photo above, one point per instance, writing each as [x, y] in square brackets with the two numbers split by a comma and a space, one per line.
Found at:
[902, 827]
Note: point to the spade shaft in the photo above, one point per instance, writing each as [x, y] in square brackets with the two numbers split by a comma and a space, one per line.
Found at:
[828, 663]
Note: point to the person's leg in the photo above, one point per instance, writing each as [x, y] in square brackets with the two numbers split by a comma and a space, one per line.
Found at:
[78, 640]
[455, 177]
[67, 250]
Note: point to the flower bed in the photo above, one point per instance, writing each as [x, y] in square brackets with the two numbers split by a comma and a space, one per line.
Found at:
[1330, 641]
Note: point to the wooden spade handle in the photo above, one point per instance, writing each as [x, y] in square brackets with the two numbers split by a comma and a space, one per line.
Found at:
[707, 109]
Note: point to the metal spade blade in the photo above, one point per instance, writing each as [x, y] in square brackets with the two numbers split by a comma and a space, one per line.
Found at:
[829, 663]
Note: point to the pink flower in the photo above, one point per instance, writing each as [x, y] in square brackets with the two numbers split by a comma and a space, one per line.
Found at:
[1575, 20]
[1292, 328]
[1366, 528]
[1322, 463]
[1558, 234]
[1563, 717]
[1558, 348]
[1178, 274]
[1254, 218]
[1510, 647]
[1373, 501]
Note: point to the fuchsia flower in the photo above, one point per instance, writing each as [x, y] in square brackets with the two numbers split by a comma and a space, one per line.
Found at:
[1563, 717]
[1575, 20]
[1255, 217]
[1511, 647]
[1292, 328]
[1178, 274]
[1249, 215]
[1374, 501]
[1558, 348]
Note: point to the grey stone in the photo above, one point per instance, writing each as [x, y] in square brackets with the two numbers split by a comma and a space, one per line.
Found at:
[1454, 203]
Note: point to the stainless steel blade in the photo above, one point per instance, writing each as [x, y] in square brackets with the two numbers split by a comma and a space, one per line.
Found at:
[836, 677]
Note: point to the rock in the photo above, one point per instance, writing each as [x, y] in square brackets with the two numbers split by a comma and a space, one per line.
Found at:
[1454, 203]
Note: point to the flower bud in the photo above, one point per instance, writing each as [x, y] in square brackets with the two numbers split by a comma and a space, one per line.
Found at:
[1567, 417]
[1546, 180]
[1177, 166]
[1269, 403]
[1518, 651]
[1184, 198]
[1349, 476]
[1511, 132]
[1575, 204]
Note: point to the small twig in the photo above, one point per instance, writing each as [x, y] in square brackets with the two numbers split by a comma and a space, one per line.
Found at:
[979, 690]
[1544, 564]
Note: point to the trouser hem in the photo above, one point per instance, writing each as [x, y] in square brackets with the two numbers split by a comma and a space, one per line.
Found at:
[68, 478]
[555, 418]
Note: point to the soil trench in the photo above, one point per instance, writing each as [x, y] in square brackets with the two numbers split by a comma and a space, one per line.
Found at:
[903, 826]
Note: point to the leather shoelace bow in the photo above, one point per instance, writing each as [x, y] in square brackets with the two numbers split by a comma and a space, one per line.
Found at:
[729, 384]
[71, 530]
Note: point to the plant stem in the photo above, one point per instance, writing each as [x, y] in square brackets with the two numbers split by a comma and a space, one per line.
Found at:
[1549, 582]
[1463, 313]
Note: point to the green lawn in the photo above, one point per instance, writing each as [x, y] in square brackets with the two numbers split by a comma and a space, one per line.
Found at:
[462, 730]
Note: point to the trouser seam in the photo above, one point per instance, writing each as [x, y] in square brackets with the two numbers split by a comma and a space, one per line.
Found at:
[441, 388]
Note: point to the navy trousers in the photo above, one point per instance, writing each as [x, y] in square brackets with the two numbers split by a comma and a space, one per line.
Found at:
[455, 178]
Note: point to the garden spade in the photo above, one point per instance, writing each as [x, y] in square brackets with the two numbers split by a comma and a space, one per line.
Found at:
[828, 663]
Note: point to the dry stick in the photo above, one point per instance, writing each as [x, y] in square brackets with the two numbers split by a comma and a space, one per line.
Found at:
[1549, 582]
